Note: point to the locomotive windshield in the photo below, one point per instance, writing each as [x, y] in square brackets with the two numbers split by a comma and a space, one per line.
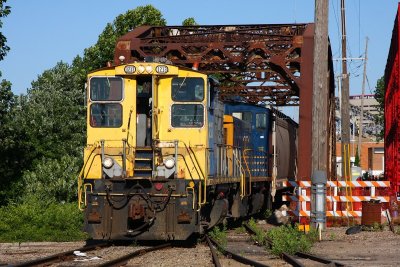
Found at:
[187, 115]
[103, 92]
[261, 121]
[105, 115]
[106, 89]
[187, 89]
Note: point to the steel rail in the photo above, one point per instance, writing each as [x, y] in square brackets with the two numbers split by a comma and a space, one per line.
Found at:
[291, 260]
[213, 252]
[63, 256]
[237, 257]
[124, 259]
[319, 259]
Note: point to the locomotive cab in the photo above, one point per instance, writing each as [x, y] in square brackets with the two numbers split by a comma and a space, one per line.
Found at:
[144, 164]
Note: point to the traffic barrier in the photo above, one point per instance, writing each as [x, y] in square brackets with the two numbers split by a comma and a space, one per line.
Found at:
[338, 203]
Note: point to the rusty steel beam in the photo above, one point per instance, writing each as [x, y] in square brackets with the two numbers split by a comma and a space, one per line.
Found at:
[266, 54]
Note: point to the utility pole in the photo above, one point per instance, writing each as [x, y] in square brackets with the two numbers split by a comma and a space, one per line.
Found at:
[320, 113]
[320, 88]
[362, 101]
[344, 110]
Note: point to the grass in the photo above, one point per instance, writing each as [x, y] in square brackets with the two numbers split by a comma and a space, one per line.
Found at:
[36, 220]
[219, 234]
[332, 237]
[240, 230]
[375, 227]
[260, 235]
[289, 239]
[267, 213]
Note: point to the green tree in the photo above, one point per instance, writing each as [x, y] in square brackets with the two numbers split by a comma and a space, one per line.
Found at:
[8, 155]
[7, 99]
[48, 125]
[102, 52]
[47, 130]
[189, 22]
[4, 12]
[53, 179]
[357, 159]
[380, 97]
[53, 115]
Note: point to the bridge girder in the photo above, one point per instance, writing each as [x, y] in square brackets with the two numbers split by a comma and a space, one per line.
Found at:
[266, 57]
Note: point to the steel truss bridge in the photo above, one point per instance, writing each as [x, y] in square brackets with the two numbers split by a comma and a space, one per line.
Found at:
[264, 64]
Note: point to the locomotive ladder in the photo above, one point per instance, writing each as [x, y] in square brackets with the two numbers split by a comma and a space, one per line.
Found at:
[143, 161]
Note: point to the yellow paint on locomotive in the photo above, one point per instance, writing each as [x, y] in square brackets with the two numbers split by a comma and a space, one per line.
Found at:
[192, 159]
[228, 136]
[190, 139]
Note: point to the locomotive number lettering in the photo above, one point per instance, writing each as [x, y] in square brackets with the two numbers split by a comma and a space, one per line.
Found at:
[162, 69]
[129, 69]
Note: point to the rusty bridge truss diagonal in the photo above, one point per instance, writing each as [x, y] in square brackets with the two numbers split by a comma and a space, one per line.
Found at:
[264, 64]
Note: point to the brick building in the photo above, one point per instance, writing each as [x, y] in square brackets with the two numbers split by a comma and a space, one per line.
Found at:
[371, 156]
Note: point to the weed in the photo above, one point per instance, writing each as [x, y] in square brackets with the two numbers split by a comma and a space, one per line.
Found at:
[267, 213]
[219, 234]
[240, 230]
[375, 227]
[260, 235]
[332, 236]
[289, 239]
[397, 231]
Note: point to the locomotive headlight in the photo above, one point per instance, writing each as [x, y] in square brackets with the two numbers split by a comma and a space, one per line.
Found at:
[141, 69]
[169, 163]
[108, 163]
[149, 69]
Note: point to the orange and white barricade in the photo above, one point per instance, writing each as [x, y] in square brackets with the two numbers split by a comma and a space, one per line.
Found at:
[338, 204]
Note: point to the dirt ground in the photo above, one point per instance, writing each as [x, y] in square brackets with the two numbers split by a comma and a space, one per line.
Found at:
[366, 248]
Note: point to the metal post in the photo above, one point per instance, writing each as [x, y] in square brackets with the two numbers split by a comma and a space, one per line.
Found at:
[102, 155]
[318, 199]
[176, 157]
[124, 158]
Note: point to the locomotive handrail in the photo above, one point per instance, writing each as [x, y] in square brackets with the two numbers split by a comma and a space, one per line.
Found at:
[80, 178]
[81, 175]
[201, 177]
[242, 176]
[129, 126]
[248, 169]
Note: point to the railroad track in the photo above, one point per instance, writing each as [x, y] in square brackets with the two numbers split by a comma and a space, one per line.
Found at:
[229, 254]
[124, 259]
[59, 257]
[296, 260]
[69, 256]
[244, 252]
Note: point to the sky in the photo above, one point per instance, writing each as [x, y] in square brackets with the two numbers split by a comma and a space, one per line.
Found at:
[41, 33]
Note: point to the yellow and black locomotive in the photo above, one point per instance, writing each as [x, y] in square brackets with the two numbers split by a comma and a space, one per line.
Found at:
[166, 159]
